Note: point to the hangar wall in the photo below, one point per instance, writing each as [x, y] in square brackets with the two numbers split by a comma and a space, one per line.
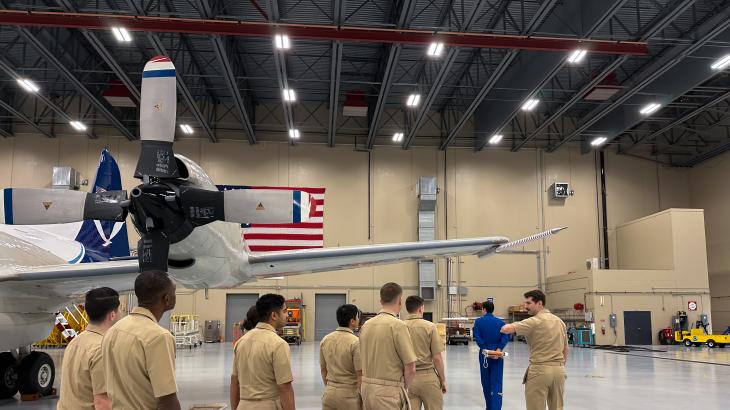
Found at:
[486, 193]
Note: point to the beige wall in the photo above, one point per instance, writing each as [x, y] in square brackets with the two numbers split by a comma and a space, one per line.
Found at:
[494, 192]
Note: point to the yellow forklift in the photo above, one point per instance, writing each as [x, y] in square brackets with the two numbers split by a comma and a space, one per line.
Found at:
[699, 336]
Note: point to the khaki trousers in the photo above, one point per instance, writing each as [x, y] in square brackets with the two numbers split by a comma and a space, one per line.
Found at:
[544, 384]
[339, 396]
[383, 395]
[266, 404]
[426, 390]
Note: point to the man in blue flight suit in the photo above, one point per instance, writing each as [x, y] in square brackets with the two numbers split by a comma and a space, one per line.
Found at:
[488, 336]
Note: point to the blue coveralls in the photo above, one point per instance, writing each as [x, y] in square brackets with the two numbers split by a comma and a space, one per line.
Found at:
[488, 336]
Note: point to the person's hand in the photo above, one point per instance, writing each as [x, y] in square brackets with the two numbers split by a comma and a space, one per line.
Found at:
[444, 389]
[495, 357]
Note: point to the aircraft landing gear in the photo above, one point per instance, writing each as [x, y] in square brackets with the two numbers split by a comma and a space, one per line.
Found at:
[8, 375]
[36, 374]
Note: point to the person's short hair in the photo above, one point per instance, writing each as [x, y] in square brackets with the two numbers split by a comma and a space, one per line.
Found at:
[268, 303]
[390, 292]
[488, 306]
[252, 319]
[151, 285]
[413, 303]
[536, 296]
[99, 302]
[345, 313]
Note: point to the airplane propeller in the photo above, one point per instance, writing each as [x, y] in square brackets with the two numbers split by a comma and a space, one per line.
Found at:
[164, 207]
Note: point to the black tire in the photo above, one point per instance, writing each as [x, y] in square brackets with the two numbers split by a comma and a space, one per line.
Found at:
[37, 374]
[687, 342]
[711, 343]
[8, 376]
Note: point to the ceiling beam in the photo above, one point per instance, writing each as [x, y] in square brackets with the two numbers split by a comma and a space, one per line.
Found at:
[281, 73]
[315, 32]
[335, 73]
[9, 108]
[221, 54]
[159, 47]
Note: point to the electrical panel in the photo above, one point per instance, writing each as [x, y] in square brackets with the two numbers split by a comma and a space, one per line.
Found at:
[560, 190]
[612, 320]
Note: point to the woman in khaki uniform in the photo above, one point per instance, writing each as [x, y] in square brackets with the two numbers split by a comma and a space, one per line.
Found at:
[340, 364]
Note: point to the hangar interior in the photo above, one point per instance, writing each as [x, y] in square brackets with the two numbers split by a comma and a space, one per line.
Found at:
[636, 125]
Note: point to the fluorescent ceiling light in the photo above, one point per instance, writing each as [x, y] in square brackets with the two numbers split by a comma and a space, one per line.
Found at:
[282, 41]
[28, 85]
[275, 278]
[530, 104]
[495, 139]
[294, 134]
[186, 128]
[121, 34]
[435, 49]
[650, 109]
[398, 137]
[289, 95]
[721, 63]
[413, 100]
[78, 126]
[598, 141]
[577, 56]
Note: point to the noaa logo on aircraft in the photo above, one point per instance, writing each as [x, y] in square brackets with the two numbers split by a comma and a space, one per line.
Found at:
[115, 230]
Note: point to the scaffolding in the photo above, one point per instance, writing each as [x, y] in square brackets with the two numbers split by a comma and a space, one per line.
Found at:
[186, 331]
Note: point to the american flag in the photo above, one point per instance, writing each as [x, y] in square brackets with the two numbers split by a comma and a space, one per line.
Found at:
[284, 237]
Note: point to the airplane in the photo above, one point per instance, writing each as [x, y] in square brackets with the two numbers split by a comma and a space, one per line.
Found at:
[187, 227]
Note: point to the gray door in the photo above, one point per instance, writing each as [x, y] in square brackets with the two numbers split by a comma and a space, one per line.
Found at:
[237, 305]
[325, 313]
[637, 328]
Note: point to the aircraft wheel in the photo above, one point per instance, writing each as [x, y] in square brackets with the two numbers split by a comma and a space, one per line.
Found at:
[37, 373]
[8, 376]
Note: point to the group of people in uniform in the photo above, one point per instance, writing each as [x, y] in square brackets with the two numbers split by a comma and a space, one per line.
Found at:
[393, 364]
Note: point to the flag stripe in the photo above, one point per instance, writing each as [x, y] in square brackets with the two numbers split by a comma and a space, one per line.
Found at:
[282, 242]
[282, 236]
[279, 248]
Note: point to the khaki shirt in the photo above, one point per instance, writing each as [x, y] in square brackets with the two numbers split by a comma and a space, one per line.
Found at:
[261, 363]
[339, 355]
[82, 373]
[385, 347]
[139, 358]
[425, 339]
[546, 336]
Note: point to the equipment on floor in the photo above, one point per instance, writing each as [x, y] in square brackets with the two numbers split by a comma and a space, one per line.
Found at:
[580, 336]
[666, 336]
[680, 321]
[698, 336]
[212, 332]
[294, 328]
[186, 331]
[458, 330]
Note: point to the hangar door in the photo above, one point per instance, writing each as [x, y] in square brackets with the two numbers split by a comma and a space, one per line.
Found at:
[637, 328]
[325, 313]
[237, 305]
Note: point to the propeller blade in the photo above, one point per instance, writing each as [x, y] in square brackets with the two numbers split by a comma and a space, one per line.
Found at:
[38, 206]
[152, 250]
[247, 206]
[157, 114]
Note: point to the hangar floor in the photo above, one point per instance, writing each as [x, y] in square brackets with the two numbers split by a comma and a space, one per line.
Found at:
[679, 377]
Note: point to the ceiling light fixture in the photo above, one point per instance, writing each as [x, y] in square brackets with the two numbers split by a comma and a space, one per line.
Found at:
[78, 126]
[721, 63]
[530, 104]
[186, 128]
[435, 49]
[282, 41]
[598, 141]
[495, 139]
[413, 100]
[28, 85]
[121, 34]
[577, 56]
[294, 134]
[398, 137]
[650, 109]
[289, 95]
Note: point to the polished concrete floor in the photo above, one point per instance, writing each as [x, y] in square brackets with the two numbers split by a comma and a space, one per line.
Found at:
[680, 377]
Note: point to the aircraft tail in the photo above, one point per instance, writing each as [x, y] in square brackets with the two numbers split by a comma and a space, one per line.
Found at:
[104, 240]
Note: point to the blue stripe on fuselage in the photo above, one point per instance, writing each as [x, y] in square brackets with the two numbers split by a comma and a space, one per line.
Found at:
[79, 256]
[158, 73]
[8, 198]
[297, 206]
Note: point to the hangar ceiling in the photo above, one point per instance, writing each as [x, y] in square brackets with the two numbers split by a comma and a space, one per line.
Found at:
[373, 56]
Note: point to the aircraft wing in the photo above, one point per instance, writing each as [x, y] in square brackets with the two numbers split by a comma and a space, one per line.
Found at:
[68, 281]
[285, 263]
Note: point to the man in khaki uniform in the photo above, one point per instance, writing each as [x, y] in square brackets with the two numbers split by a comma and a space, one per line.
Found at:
[429, 385]
[262, 377]
[339, 361]
[139, 354]
[83, 385]
[545, 333]
[388, 359]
